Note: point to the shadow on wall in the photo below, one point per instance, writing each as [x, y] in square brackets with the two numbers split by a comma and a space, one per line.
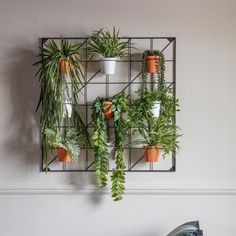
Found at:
[21, 144]
[22, 137]
[96, 196]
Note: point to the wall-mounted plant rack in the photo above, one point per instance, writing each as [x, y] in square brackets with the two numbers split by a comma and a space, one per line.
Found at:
[132, 81]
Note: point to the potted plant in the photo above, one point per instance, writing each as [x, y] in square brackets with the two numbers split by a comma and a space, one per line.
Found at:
[100, 141]
[60, 76]
[152, 61]
[67, 147]
[109, 46]
[156, 134]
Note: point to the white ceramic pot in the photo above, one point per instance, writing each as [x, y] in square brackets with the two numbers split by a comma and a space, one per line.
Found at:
[156, 109]
[66, 94]
[108, 65]
[69, 109]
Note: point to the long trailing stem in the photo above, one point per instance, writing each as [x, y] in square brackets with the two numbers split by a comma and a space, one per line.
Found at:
[100, 139]
[120, 105]
[100, 143]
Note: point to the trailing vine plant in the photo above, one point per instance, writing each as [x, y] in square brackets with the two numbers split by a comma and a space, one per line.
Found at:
[100, 139]
[146, 98]
[120, 106]
[160, 68]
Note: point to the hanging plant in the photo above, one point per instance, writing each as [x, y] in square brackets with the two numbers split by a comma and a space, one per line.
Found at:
[109, 46]
[119, 106]
[158, 66]
[60, 75]
[100, 140]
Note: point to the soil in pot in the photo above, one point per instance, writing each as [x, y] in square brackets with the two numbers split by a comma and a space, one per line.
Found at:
[151, 154]
[152, 64]
[63, 155]
[108, 112]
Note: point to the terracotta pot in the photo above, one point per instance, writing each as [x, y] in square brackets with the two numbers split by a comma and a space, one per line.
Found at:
[151, 64]
[151, 154]
[63, 155]
[63, 65]
[108, 112]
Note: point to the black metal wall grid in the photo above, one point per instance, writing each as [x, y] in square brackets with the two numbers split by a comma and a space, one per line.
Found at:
[133, 155]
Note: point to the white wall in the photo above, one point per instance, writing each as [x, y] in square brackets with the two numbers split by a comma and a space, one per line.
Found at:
[204, 186]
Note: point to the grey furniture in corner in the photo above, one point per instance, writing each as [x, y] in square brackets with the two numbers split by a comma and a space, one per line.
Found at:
[188, 229]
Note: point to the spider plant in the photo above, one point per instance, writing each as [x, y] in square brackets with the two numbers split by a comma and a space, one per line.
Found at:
[61, 76]
[157, 133]
[108, 45]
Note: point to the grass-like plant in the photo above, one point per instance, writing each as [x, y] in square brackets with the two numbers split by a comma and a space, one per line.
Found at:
[53, 81]
[107, 44]
[55, 89]
[70, 142]
[157, 133]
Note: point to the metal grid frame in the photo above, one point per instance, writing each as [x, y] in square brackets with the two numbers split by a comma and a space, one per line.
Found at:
[130, 166]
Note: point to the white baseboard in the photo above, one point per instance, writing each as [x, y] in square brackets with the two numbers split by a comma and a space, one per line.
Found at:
[131, 189]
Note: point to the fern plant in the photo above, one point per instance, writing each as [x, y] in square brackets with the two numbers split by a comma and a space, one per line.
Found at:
[107, 44]
[70, 142]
